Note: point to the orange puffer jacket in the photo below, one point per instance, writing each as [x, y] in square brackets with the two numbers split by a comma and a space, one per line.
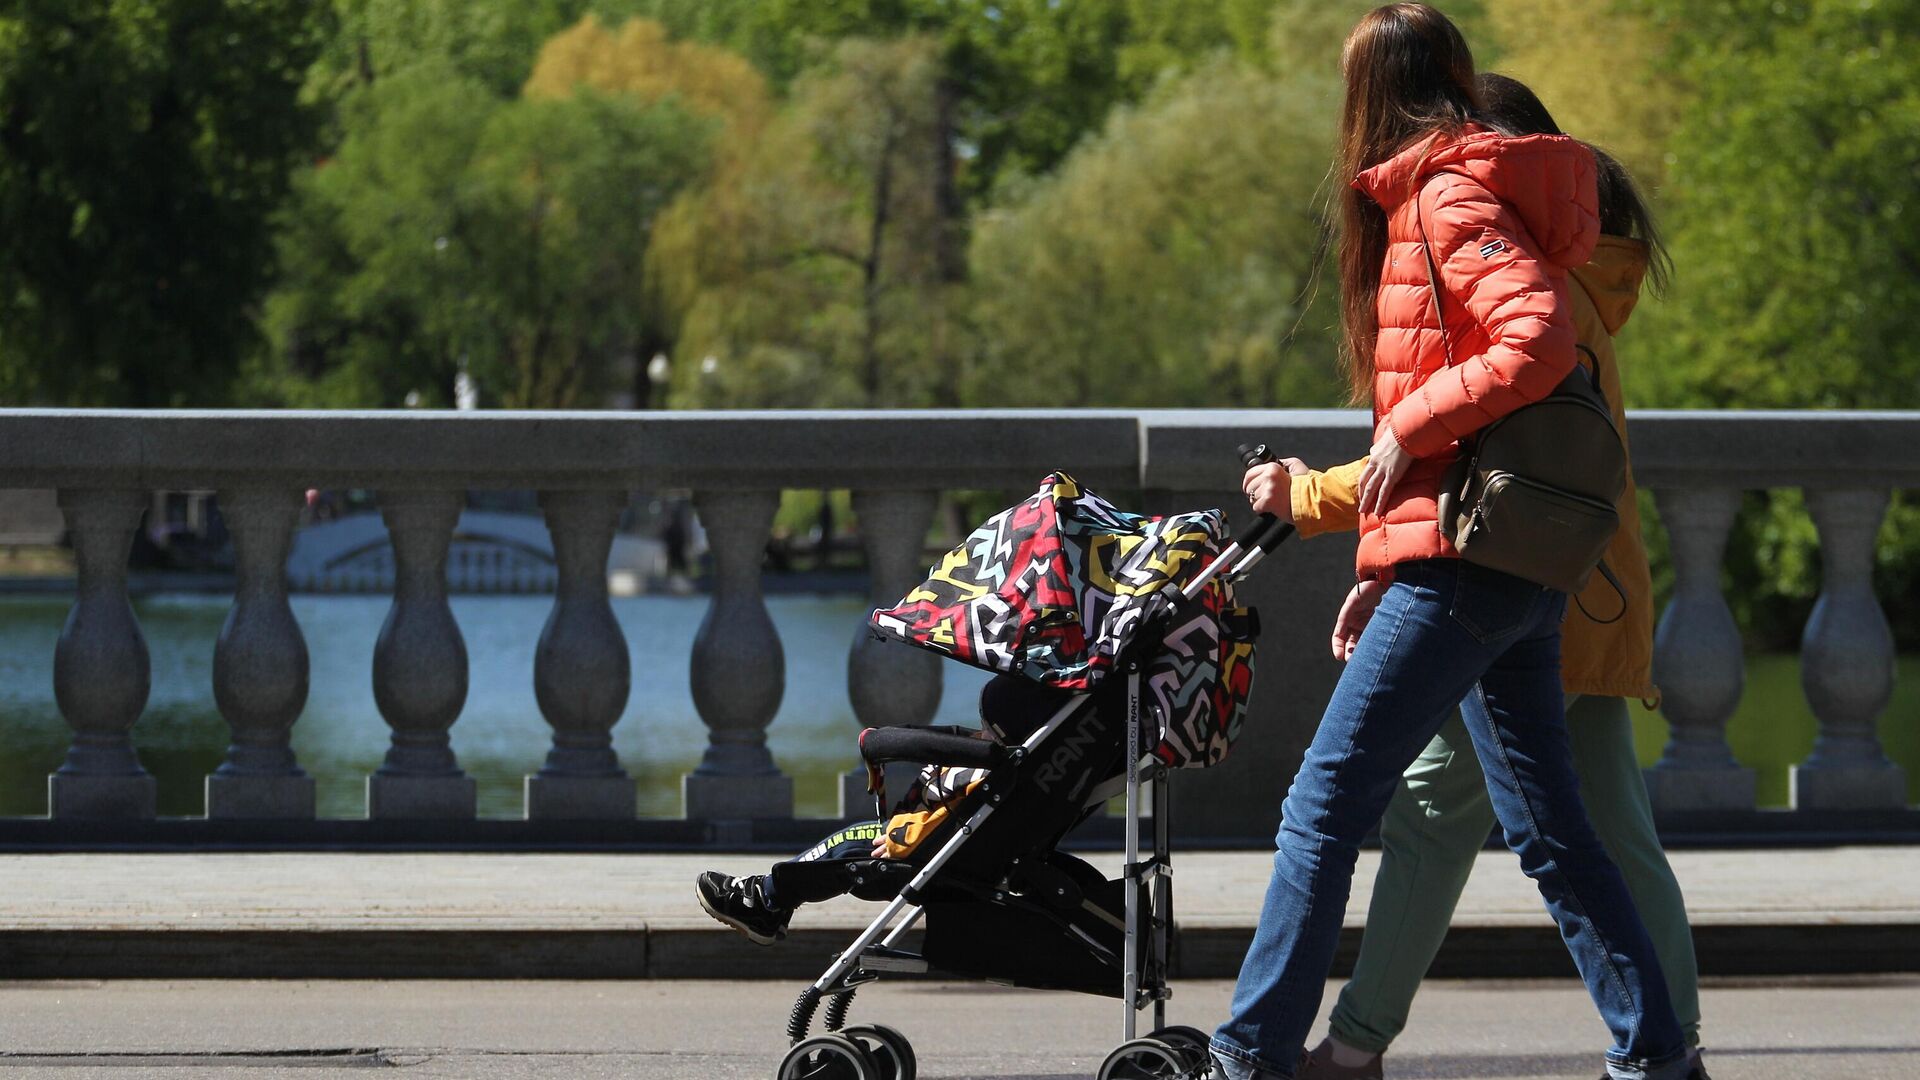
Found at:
[1612, 658]
[1506, 219]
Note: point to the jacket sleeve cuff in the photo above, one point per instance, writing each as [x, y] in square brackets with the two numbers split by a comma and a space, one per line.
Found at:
[1327, 502]
[1418, 434]
[1303, 496]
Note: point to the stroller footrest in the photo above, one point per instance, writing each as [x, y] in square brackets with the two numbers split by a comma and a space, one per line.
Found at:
[881, 958]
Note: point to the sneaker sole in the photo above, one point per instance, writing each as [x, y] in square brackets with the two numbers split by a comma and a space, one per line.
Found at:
[735, 924]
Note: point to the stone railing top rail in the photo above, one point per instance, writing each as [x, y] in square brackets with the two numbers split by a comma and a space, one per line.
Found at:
[499, 449]
[1189, 449]
[1169, 449]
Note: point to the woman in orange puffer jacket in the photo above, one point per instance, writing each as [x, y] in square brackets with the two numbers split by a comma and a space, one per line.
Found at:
[1439, 817]
[1454, 250]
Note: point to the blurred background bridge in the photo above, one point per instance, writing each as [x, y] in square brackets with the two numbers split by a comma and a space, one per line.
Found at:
[721, 706]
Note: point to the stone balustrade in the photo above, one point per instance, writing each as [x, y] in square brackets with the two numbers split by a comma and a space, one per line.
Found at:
[584, 465]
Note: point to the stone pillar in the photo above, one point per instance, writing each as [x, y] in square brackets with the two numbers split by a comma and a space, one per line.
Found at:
[581, 672]
[420, 666]
[889, 683]
[739, 671]
[1846, 663]
[101, 672]
[1697, 662]
[260, 667]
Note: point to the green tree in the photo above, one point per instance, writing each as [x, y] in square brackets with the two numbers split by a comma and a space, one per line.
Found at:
[812, 265]
[1169, 260]
[454, 231]
[1600, 68]
[1024, 79]
[1795, 232]
[493, 43]
[143, 148]
[1796, 246]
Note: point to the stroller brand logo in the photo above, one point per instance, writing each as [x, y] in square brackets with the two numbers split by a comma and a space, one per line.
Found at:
[1072, 750]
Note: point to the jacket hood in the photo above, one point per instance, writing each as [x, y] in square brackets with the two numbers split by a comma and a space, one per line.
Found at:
[1612, 278]
[1548, 181]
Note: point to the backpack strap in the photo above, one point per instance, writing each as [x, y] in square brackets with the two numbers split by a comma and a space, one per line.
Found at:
[1618, 589]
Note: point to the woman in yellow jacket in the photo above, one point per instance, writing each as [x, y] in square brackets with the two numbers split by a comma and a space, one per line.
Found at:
[1441, 815]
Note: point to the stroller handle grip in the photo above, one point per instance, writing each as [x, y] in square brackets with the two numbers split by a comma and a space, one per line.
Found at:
[1268, 531]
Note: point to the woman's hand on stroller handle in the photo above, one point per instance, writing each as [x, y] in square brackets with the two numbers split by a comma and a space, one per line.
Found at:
[1269, 488]
[1273, 518]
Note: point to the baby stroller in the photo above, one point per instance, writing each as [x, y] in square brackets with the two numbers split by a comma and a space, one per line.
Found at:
[1112, 611]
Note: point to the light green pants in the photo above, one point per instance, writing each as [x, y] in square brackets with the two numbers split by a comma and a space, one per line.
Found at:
[1439, 820]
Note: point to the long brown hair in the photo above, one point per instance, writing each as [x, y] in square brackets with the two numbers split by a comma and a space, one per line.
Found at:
[1409, 73]
[1624, 212]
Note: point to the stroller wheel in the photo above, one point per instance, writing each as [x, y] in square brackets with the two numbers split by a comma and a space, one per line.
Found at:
[828, 1057]
[1146, 1059]
[890, 1050]
[1190, 1039]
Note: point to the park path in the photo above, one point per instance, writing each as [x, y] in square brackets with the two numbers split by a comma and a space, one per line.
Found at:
[660, 1030]
[479, 915]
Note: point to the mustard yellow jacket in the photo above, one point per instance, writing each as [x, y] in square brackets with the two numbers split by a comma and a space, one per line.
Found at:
[1613, 659]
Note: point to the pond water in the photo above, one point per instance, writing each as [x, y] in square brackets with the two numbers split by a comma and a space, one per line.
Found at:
[501, 736]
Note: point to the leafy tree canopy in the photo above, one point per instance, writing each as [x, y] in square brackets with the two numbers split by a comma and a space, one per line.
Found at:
[1024, 79]
[1198, 299]
[493, 42]
[144, 147]
[813, 266]
[454, 231]
[1791, 200]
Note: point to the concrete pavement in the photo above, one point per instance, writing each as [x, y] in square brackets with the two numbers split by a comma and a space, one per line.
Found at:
[1860, 1029]
[339, 915]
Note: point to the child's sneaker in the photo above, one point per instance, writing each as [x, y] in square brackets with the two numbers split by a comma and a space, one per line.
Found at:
[741, 903]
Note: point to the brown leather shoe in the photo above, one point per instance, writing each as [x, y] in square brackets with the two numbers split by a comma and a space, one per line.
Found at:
[1318, 1065]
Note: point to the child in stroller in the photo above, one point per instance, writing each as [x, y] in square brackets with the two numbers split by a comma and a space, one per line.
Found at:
[1120, 656]
[761, 905]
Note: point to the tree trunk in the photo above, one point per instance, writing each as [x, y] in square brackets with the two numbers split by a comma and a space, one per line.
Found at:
[870, 269]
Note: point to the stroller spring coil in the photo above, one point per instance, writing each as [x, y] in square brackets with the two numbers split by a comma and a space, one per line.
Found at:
[838, 1007]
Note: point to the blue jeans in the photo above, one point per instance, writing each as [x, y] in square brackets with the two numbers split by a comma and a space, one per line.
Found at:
[1447, 631]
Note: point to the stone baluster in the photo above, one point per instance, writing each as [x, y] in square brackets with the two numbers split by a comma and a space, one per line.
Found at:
[889, 683]
[260, 667]
[581, 671]
[1846, 663]
[738, 669]
[101, 672]
[420, 666]
[1697, 662]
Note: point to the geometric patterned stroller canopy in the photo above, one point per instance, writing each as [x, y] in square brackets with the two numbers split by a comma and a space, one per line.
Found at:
[1056, 586]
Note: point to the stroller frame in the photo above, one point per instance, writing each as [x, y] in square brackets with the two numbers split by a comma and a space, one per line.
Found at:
[876, 950]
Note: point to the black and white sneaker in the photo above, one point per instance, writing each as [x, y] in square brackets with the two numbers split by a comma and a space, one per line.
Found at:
[739, 902]
[1698, 1071]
